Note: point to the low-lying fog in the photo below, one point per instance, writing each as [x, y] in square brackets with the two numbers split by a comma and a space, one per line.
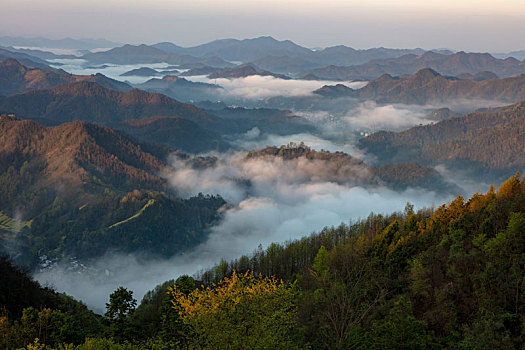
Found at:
[282, 205]
[285, 201]
[249, 87]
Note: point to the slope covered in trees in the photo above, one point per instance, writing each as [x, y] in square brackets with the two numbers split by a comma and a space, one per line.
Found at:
[175, 132]
[445, 278]
[484, 143]
[83, 190]
[450, 277]
[29, 311]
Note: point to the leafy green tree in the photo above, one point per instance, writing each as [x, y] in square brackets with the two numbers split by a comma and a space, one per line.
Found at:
[121, 305]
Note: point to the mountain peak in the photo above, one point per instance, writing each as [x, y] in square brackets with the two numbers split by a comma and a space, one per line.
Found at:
[426, 73]
[12, 62]
[264, 38]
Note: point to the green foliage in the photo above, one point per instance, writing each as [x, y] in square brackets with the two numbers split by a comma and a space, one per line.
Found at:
[399, 329]
[320, 264]
[151, 222]
[121, 305]
[452, 277]
[445, 278]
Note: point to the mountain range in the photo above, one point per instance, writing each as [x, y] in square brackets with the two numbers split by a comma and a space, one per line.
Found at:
[428, 86]
[452, 64]
[142, 54]
[91, 102]
[24, 58]
[284, 56]
[238, 50]
[182, 89]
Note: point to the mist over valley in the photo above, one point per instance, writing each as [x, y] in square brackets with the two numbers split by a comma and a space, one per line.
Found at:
[138, 165]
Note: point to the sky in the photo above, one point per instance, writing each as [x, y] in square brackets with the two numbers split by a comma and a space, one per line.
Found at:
[470, 25]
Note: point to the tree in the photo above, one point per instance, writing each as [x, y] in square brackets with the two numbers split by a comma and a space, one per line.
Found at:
[240, 312]
[121, 305]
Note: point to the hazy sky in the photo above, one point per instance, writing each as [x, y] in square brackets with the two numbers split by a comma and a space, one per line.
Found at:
[472, 25]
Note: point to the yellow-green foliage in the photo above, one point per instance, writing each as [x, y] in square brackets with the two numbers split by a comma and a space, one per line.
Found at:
[240, 312]
[150, 202]
[10, 224]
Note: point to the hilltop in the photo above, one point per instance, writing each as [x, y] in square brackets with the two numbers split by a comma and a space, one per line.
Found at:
[16, 78]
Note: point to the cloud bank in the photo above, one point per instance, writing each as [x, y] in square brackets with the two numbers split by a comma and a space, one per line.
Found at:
[258, 87]
[271, 201]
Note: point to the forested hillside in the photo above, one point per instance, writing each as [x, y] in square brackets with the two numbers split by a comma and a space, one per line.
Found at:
[490, 142]
[82, 190]
[445, 278]
[29, 311]
[450, 277]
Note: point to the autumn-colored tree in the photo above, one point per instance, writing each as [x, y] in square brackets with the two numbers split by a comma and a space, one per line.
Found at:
[240, 312]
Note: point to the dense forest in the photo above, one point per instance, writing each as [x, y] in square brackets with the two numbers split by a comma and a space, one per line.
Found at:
[82, 190]
[450, 277]
[486, 143]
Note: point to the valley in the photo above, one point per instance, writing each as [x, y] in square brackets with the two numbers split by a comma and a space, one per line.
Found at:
[146, 166]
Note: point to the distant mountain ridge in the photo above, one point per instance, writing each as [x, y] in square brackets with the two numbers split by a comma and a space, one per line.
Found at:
[243, 71]
[91, 102]
[453, 64]
[284, 56]
[181, 89]
[66, 43]
[239, 50]
[16, 78]
[141, 72]
[428, 86]
[24, 58]
[142, 54]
